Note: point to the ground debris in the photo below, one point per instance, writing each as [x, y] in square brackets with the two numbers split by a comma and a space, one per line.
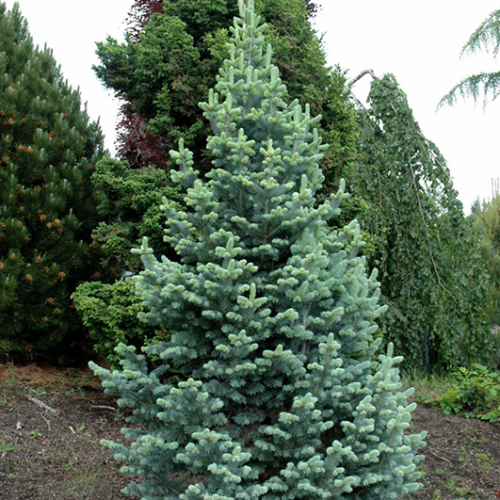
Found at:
[41, 404]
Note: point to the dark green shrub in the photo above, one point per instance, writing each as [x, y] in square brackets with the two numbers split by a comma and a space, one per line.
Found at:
[130, 205]
[131, 208]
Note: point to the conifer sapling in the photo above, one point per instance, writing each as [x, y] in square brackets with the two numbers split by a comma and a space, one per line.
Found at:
[282, 392]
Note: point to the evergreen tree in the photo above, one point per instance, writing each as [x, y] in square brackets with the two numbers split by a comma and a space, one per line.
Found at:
[164, 72]
[486, 218]
[432, 276]
[150, 66]
[47, 208]
[281, 391]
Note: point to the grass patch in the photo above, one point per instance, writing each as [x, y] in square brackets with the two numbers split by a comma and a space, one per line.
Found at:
[429, 388]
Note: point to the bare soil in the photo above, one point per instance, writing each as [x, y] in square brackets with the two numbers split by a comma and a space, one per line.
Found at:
[51, 423]
[462, 457]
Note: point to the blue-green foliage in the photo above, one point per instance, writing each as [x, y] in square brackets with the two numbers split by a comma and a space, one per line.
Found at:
[272, 318]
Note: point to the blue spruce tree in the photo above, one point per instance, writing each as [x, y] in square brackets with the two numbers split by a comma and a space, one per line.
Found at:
[282, 393]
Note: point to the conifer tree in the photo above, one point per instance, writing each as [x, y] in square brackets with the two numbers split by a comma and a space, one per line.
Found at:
[163, 72]
[168, 63]
[486, 219]
[485, 37]
[47, 207]
[282, 392]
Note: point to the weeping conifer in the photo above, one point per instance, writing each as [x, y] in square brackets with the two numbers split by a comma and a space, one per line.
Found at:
[432, 276]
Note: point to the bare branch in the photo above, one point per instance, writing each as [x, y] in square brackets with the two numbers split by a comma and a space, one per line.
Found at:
[41, 404]
[370, 72]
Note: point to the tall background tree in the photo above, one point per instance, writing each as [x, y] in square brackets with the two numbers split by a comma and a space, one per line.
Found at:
[48, 149]
[163, 72]
[433, 279]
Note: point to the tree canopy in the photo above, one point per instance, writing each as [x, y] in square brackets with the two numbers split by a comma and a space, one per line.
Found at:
[163, 72]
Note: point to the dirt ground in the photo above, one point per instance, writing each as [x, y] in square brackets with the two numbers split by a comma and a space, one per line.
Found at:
[51, 423]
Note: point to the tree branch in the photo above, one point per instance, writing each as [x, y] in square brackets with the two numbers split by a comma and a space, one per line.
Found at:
[351, 82]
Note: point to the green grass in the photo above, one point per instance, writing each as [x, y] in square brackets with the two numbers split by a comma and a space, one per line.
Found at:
[429, 387]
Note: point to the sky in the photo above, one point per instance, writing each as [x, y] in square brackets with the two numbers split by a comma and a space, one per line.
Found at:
[418, 42]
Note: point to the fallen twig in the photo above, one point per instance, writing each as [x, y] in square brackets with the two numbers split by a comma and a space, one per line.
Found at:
[41, 404]
[76, 433]
[101, 407]
[47, 422]
[437, 456]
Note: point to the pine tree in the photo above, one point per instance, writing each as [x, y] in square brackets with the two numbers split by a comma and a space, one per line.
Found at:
[281, 392]
[47, 208]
